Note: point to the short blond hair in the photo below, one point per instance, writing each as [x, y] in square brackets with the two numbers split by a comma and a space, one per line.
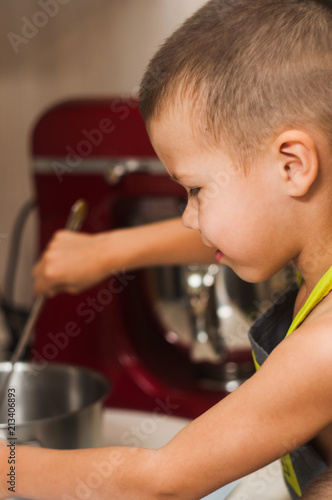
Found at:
[320, 488]
[250, 68]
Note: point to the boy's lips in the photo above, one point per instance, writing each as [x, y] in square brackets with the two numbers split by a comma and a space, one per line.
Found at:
[218, 255]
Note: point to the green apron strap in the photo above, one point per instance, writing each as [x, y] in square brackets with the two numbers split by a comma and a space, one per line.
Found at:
[320, 291]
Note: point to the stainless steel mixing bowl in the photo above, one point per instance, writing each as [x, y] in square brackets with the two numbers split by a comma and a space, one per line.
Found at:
[53, 405]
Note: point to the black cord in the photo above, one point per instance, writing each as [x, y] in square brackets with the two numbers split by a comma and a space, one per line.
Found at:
[15, 316]
[14, 249]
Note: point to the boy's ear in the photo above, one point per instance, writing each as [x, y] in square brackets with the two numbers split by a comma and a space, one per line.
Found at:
[297, 161]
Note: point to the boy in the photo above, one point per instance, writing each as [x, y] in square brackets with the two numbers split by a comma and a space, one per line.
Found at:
[238, 107]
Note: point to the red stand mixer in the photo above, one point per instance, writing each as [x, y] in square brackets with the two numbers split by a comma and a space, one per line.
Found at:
[129, 327]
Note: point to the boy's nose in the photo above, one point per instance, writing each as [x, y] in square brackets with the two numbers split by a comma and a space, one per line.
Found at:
[190, 217]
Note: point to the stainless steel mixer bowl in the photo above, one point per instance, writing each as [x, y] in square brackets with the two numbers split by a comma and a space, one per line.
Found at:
[56, 405]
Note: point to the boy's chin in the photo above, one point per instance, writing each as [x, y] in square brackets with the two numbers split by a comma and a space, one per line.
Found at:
[251, 274]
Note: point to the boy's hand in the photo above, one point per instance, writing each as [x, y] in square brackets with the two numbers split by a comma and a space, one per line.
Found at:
[72, 262]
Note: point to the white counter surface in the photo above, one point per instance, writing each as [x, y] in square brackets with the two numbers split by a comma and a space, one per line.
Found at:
[153, 430]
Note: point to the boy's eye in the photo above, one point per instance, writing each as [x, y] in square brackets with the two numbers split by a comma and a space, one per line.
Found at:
[193, 192]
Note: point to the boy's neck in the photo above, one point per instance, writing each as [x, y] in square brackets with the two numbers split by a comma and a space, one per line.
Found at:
[313, 262]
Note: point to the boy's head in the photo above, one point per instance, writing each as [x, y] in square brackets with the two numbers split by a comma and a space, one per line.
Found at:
[247, 81]
[246, 70]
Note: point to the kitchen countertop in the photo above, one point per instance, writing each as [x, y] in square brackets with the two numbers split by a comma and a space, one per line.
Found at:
[153, 430]
[265, 484]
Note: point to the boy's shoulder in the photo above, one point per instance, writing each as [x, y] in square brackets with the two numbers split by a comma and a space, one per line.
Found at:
[319, 319]
[315, 333]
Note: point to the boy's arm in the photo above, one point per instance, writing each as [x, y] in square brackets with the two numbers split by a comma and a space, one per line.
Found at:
[285, 404]
[73, 262]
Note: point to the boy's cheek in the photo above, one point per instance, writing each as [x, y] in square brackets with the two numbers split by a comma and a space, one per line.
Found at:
[211, 193]
[219, 185]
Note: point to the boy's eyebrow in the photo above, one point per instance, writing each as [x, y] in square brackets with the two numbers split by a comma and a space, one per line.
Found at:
[176, 179]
